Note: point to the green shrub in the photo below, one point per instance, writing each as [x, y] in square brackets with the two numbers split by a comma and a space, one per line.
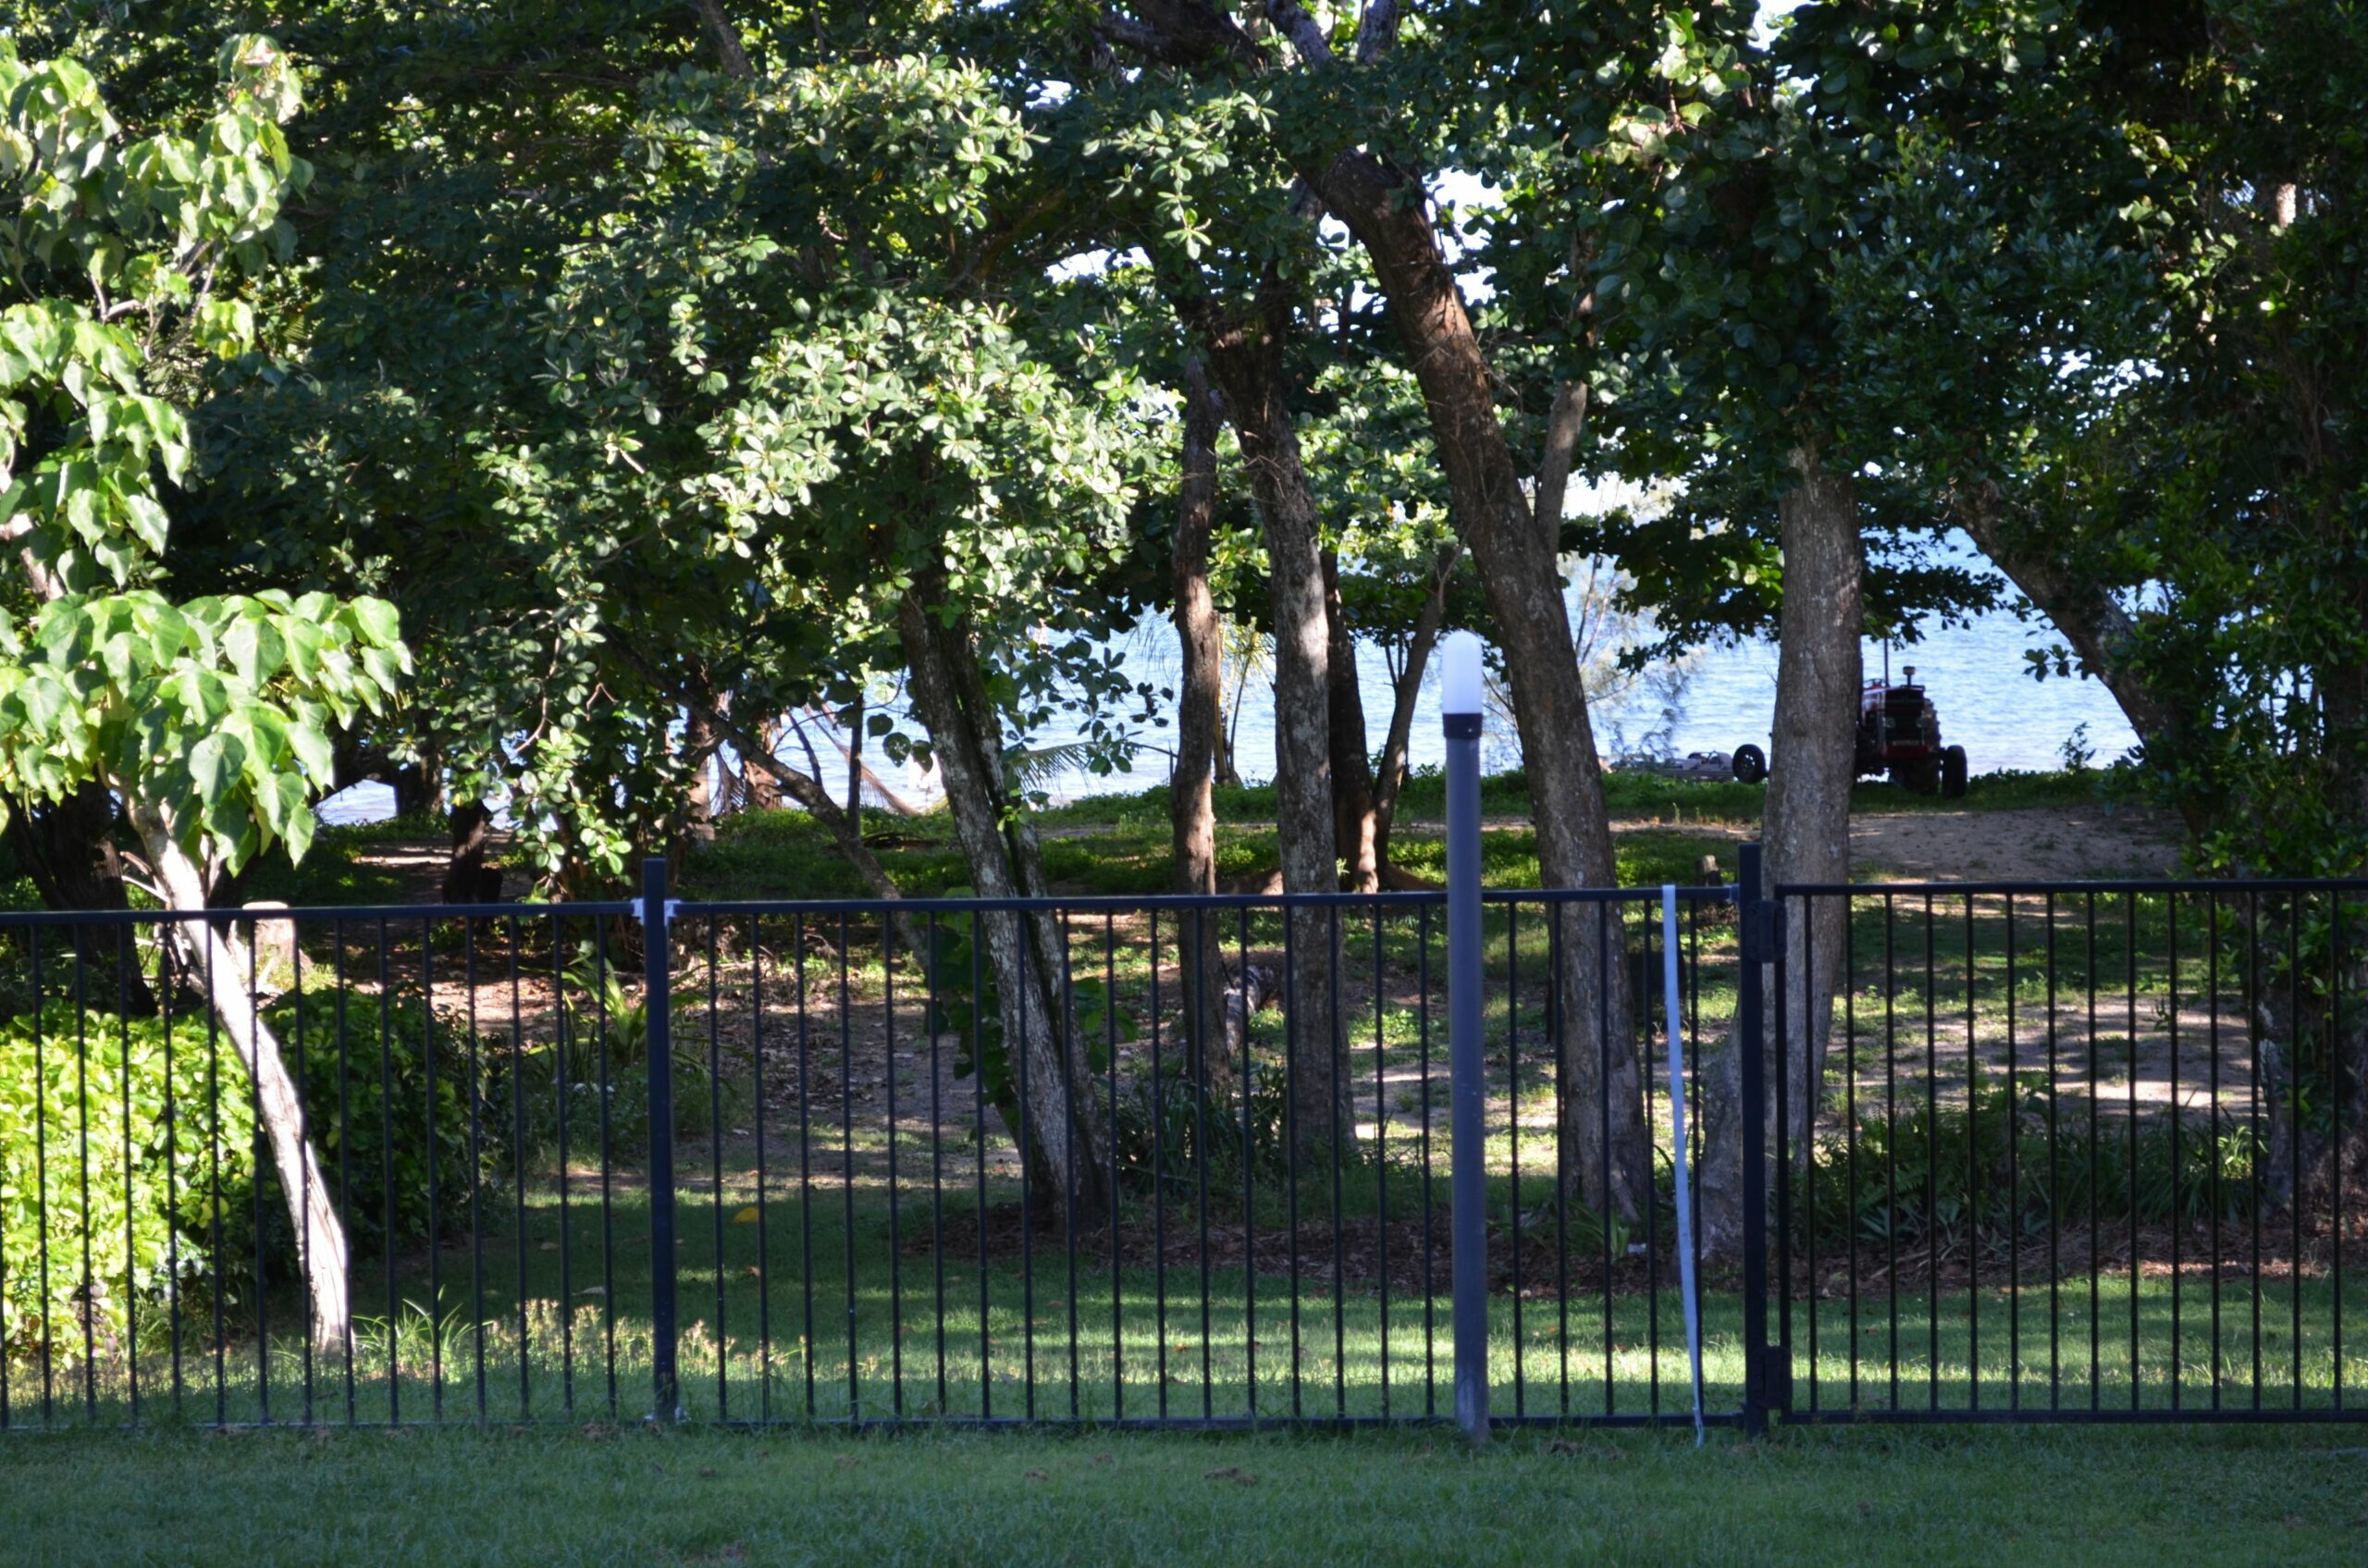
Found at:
[596, 1064]
[116, 1147]
[389, 1116]
[1994, 1177]
[141, 1133]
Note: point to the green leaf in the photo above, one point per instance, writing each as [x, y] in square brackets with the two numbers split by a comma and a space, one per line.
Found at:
[254, 646]
[314, 751]
[297, 832]
[379, 622]
[214, 765]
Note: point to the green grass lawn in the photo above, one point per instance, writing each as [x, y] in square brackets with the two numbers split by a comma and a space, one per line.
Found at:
[834, 1307]
[630, 1496]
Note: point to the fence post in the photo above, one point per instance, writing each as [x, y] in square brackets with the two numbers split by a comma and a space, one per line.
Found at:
[657, 1002]
[1460, 710]
[1754, 922]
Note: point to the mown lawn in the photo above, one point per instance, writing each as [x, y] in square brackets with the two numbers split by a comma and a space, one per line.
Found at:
[632, 1496]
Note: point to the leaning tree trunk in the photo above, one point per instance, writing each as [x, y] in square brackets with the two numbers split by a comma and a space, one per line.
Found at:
[1391, 776]
[1064, 1145]
[2076, 603]
[1807, 830]
[1608, 1151]
[1246, 354]
[1199, 721]
[220, 962]
[1354, 828]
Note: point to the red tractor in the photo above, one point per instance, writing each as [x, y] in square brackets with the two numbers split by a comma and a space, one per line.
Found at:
[1899, 734]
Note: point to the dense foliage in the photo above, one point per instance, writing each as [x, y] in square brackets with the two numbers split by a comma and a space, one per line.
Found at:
[581, 411]
[92, 1240]
[131, 1179]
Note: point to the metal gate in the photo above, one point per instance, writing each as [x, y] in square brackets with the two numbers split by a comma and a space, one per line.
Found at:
[2086, 1151]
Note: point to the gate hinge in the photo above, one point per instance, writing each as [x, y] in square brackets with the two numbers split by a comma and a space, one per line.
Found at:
[1762, 929]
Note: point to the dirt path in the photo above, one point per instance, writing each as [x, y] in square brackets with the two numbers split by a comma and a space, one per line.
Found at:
[418, 866]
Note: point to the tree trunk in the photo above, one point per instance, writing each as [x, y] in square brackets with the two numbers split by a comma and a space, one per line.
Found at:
[763, 791]
[1353, 826]
[730, 58]
[2100, 632]
[466, 879]
[1391, 776]
[1063, 1145]
[699, 746]
[853, 725]
[414, 791]
[1807, 830]
[1246, 356]
[858, 769]
[1229, 775]
[1198, 729]
[219, 960]
[1610, 1166]
[68, 851]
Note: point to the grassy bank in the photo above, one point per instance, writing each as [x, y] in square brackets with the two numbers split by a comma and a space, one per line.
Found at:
[1118, 844]
[704, 1497]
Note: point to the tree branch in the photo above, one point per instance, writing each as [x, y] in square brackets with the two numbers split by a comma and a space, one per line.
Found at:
[1196, 31]
[807, 792]
[1563, 422]
[1377, 31]
[729, 54]
[1291, 19]
[1125, 33]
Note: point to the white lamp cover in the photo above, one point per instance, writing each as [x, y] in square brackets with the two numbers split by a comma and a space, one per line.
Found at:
[1460, 684]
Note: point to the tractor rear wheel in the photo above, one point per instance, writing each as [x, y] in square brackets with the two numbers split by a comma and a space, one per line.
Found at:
[1750, 764]
[1952, 773]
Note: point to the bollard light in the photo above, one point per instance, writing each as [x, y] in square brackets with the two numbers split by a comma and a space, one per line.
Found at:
[1462, 693]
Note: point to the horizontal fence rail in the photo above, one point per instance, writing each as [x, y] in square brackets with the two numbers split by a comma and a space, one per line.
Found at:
[2084, 1152]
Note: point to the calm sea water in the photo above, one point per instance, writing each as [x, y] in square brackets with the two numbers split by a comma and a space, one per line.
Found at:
[1976, 673]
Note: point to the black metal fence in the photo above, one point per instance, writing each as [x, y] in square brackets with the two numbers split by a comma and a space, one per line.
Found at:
[2082, 1152]
[1183, 1161]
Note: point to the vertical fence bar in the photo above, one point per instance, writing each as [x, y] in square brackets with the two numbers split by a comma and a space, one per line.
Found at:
[1756, 917]
[1468, 1084]
[1680, 1169]
[658, 1010]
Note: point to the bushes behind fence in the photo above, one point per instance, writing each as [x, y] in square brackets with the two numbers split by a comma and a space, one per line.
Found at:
[2018, 1163]
[133, 1173]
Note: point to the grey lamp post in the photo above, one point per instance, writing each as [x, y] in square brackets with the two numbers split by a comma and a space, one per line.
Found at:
[1461, 713]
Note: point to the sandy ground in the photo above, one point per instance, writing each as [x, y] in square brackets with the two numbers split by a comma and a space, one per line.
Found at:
[2035, 844]
[2052, 843]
